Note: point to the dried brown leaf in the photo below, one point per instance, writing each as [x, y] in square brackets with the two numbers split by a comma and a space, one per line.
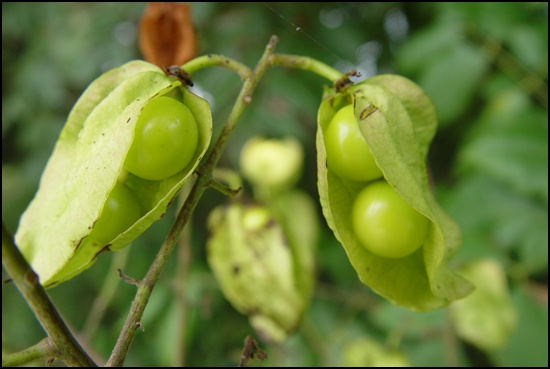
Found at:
[166, 34]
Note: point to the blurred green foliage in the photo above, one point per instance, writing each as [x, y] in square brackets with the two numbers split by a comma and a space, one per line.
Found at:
[484, 64]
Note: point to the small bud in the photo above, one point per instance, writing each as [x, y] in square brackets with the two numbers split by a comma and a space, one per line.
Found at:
[272, 163]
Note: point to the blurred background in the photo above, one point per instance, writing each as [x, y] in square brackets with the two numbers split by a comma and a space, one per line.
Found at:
[485, 65]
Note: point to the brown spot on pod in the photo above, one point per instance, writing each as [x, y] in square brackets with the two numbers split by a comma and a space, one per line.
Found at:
[370, 109]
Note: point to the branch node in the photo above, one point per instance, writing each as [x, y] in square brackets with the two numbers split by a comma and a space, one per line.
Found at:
[128, 279]
[31, 278]
[231, 192]
[272, 42]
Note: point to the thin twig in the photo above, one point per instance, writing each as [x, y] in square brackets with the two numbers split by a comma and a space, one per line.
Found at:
[231, 192]
[128, 279]
[67, 348]
[42, 349]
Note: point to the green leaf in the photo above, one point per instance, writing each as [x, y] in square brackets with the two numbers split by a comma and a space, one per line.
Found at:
[530, 46]
[85, 165]
[427, 43]
[495, 226]
[421, 281]
[452, 78]
[513, 152]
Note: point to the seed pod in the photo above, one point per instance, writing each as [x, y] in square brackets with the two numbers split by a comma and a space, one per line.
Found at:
[263, 273]
[86, 163]
[272, 165]
[488, 316]
[398, 121]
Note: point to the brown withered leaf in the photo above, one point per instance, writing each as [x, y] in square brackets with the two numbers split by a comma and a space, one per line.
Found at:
[166, 34]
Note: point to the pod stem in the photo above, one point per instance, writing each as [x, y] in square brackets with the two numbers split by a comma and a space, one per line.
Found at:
[213, 60]
[283, 60]
[307, 64]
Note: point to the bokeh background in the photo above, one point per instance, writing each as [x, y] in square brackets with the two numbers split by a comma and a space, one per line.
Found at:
[485, 65]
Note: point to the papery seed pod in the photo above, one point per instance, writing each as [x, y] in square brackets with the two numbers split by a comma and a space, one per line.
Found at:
[258, 269]
[297, 214]
[397, 121]
[272, 164]
[88, 161]
[488, 316]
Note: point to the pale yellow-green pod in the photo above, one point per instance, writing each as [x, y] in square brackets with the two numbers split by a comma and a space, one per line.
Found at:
[397, 120]
[272, 164]
[487, 317]
[259, 269]
[87, 163]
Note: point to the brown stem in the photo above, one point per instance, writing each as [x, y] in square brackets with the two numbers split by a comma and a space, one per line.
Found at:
[67, 348]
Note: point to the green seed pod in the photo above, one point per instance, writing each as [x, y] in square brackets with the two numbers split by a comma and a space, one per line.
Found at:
[397, 121]
[487, 317]
[296, 211]
[263, 273]
[272, 164]
[56, 232]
